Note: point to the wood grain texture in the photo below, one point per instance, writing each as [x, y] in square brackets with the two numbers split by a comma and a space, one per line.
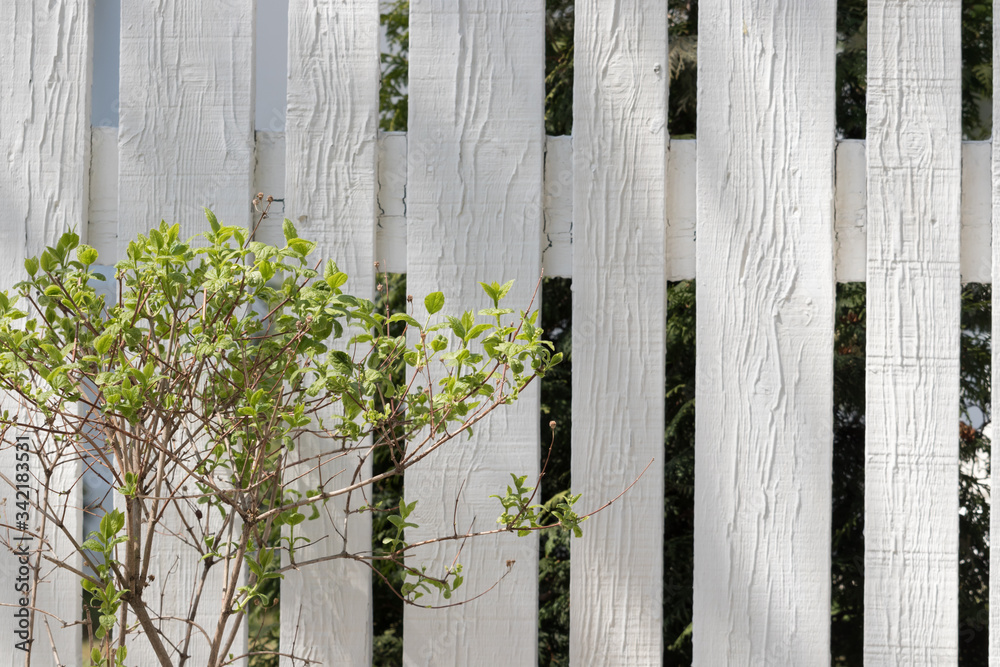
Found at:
[912, 370]
[994, 627]
[185, 142]
[269, 180]
[764, 406]
[330, 195]
[557, 242]
[390, 237]
[45, 144]
[619, 297]
[474, 213]
[186, 114]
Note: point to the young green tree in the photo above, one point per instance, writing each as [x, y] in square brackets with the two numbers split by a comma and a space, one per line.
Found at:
[192, 391]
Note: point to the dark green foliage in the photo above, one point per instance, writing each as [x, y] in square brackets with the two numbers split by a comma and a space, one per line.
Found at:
[559, 67]
[848, 547]
[388, 576]
[678, 501]
[554, 544]
[683, 38]
[392, 96]
[977, 69]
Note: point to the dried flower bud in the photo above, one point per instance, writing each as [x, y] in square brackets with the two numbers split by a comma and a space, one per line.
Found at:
[552, 424]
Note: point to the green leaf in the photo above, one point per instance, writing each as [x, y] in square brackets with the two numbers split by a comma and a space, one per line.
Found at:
[341, 362]
[434, 302]
[31, 266]
[48, 261]
[336, 279]
[491, 291]
[301, 246]
[86, 254]
[288, 229]
[403, 317]
[103, 343]
[502, 292]
[92, 545]
[477, 330]
[495, 312]
[212, 220]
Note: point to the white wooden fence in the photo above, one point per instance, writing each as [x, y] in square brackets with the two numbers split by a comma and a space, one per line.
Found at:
[475, 191]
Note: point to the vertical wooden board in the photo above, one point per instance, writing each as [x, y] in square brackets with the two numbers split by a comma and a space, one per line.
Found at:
[912, 369]
[620, 148]
[557, 234]
[45, 143]
[976, 262]
[185, 142]
[994, 629]
[269, 180]
[850, 217]
[682, 188]
[764, 406]
[390, 238]
[474, 213]
[330, 195]
[186, 115]
[102, 220]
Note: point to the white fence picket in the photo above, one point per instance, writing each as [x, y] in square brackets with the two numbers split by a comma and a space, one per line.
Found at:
[45, 140]
[185, 141]
[619, 298]
[474, 213]
[330, 195]
[994, 606]
[913, 305]
[764, 408]
[186, 114]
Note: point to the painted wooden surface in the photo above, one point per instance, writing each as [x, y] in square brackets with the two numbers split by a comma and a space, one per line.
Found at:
[269, 180]
[102, 220]
[976, 243]
[330, 191]
[557, 251]
[912, 370]
[764, 406]
[994, 621]
[186, 114]
[619, 297]
[851, 217]
[474, 213]
[185, 141]
[390, 235]
[557, 234]
[682, 188]
[45, 145]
